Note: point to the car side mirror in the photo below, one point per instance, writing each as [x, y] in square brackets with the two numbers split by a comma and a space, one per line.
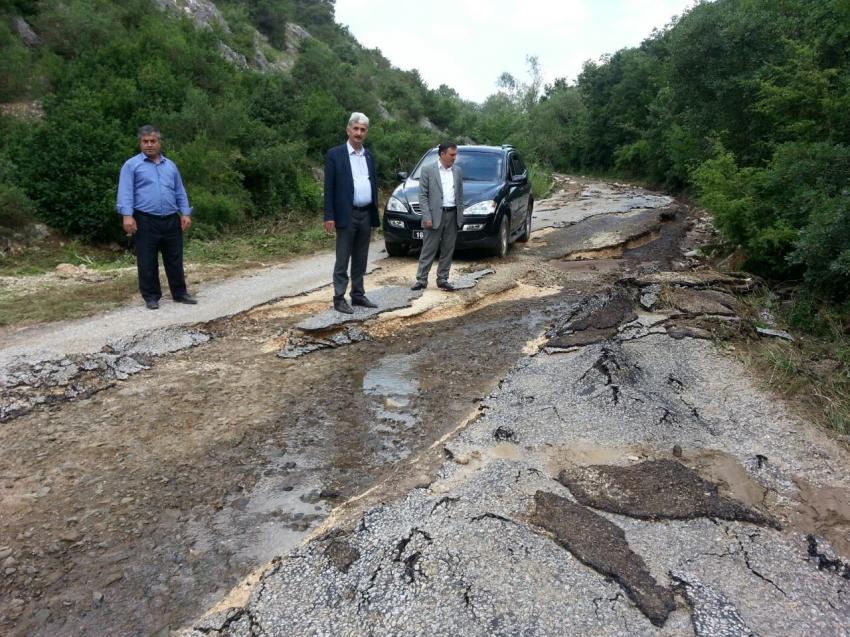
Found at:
[519, 179]
[401, 175]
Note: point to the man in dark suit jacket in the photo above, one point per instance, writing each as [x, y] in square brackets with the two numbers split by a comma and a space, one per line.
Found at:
[351, 210]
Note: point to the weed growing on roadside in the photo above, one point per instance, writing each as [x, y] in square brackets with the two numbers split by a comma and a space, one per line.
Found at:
[814, 369]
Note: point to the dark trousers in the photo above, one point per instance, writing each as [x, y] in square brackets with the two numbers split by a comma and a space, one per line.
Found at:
[157, 234]
[352, 244]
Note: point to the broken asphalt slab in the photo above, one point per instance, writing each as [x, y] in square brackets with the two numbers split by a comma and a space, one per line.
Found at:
[654, 490]
[386, 298]
[602, 545]
[27, 382]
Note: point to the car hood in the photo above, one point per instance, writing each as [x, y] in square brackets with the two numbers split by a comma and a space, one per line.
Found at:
[473, 191]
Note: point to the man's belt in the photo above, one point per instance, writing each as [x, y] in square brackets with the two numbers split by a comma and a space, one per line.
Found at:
[154, 214]
[447, 208]
[361, 208]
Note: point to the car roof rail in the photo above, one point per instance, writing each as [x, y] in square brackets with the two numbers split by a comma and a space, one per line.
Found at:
[507, 145]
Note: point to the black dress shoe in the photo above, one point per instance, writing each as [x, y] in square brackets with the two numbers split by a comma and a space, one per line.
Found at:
[362, 301]
[419, 286]
[152, 305]
[445, 285]
[188, 300]
[342, 305]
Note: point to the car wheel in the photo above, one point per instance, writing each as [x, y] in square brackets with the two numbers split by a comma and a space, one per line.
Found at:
[501, 248]
[526, 228]
[395, 249]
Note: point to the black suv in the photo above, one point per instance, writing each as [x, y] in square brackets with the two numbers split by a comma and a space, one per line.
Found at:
[496, 195]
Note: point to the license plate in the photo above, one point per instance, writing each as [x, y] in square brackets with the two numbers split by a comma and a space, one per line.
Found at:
[417, 234]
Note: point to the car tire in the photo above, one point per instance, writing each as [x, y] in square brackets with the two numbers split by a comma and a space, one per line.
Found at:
[395, 249]
[502, 239]
[526, 228]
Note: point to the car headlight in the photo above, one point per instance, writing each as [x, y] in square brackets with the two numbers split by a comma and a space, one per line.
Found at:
[481, 208]
[396, 205]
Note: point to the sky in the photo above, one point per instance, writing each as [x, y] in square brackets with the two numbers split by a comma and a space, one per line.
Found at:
[468, 44]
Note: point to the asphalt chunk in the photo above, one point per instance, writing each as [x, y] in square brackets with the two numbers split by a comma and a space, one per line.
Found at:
[341, 554]
[604, 312]
[601, 545]
[656, 489]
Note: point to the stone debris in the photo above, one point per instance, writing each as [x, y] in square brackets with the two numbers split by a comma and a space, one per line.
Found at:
[653, 490]
[466, 281]
[694, 302]
[696, 278]
[649, 296]
[602, 545]
[763, 331]
[299, 344]
[79, 272]
[28, 382]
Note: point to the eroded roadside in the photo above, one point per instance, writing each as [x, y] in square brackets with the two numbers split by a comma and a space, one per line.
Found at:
[625, 478]
[143, 481]
[131, 507]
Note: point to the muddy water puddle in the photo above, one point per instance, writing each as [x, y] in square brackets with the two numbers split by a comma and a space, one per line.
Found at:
[191, 474]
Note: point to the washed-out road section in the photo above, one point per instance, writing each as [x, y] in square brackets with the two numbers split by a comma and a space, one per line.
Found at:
[433, 468]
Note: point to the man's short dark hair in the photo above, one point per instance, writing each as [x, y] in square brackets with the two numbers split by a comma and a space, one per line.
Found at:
[147, 129]
[442, 148]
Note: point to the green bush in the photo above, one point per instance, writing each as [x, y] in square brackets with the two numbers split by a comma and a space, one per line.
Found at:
[541, 180]
[16, 209]
[823, 249]
[211, 212]
[71, 165]
[278, 178]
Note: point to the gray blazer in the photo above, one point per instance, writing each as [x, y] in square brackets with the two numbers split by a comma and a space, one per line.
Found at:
[431, 194]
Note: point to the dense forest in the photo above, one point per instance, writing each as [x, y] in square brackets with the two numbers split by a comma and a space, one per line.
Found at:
[741, 102]
[744, 103]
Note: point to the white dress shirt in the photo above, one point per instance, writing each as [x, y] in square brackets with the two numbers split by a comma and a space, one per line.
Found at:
[360, 172]
[447, 180]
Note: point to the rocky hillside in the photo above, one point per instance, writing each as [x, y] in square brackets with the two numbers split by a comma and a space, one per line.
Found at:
[249, 94]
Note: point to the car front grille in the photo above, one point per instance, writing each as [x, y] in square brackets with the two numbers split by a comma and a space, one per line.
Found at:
[414, 205]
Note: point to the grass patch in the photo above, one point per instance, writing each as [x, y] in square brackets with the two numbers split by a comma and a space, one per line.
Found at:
[814, 369]
[44, 256]
[261, 243]
[70, 301]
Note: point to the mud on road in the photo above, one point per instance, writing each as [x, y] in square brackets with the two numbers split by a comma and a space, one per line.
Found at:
[140, 491]
[132, 503]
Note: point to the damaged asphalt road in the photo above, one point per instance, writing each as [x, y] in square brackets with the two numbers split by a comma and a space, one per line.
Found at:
[561, 448]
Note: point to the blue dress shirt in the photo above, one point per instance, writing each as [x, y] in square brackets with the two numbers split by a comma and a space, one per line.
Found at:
[156, 189]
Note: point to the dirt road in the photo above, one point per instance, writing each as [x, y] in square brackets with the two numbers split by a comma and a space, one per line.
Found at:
[141, 483]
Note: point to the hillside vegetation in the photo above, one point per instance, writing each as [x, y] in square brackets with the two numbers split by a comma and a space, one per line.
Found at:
[247, 140]
[742, 102]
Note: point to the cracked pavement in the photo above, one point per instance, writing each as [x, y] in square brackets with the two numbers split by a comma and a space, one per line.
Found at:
[561, 447]
[626, 477]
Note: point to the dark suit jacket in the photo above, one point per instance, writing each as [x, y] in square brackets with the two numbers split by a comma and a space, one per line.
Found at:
[339, 187]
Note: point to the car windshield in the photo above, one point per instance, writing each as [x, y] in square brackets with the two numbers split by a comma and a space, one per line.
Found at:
[476, 166]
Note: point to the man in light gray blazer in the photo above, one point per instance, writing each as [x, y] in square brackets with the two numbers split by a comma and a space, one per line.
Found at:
[441, 204]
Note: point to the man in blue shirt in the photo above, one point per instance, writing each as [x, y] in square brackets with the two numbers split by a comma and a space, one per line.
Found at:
[155, 208]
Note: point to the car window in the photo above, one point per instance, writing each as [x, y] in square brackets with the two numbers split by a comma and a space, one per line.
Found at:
[517, 167]
[476, 166]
